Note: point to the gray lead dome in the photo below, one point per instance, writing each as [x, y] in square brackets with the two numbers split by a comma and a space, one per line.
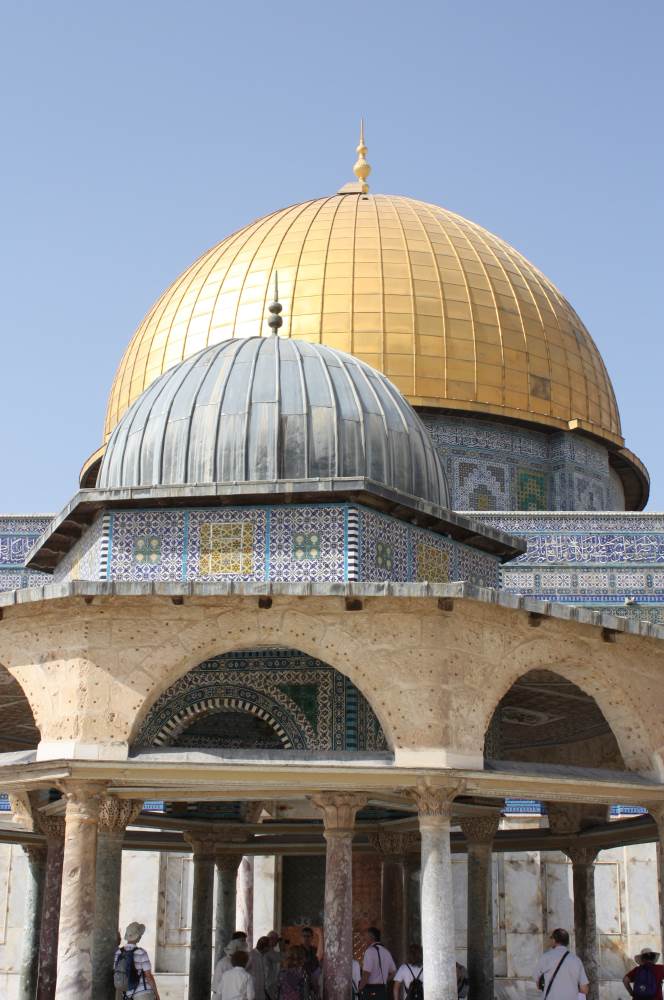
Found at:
[263, 409]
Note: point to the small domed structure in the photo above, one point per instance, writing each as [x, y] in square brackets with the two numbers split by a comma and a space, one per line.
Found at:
[267, 409]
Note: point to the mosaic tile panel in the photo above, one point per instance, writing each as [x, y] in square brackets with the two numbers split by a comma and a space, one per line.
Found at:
[315, 706]
[477, 567]
[227, 544]
[531, 490]
[135, 534]
[84, 560]
[384, 549]
[18, 533]
[308, 543]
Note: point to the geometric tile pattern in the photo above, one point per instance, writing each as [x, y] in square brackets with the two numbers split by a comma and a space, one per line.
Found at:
[309, 705]
[307, 543]
[17, 536]
[531, 490]
[146, 545]
[226, 544]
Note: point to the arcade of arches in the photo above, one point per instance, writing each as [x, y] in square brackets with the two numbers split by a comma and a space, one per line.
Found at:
[253, 769]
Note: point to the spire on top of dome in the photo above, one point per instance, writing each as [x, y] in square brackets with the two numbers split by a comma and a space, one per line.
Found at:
[362, 169]
[275, 321]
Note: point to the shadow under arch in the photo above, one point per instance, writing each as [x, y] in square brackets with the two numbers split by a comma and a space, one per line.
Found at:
[263, 698]
[562, 714]
[19, 729]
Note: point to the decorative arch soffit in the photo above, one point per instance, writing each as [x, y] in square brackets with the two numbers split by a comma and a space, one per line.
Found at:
[184, 719]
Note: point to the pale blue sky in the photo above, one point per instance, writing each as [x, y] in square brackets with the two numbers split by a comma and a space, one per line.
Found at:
[136, 134]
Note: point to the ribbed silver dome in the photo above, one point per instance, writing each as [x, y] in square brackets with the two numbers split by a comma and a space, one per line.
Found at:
[270, 408]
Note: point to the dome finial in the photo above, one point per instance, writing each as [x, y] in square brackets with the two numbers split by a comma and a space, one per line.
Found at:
[275, 321]
[362, 169]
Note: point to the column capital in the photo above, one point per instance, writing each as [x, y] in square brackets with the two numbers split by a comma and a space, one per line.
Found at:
[21, 807]
[479, 829]
[115, 815]
[393, 843]
[656, 810]
[203, 844]
[436, 803]
[53, 827]
[227, 863]
[83, 798]
[339, 810]
[581, 854]
[35, 853]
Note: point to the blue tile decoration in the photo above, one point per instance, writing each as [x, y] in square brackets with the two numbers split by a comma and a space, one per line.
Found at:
[308, 542]
[309, 704]
[18, 533]
[227, 544]
[384, 551]
[130, 530]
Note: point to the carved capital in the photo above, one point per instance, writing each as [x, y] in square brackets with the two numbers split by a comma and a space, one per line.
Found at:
[35, 853]
[339, 810]
[228, 863]
[480, 829]
[393, 844]
[115, 815]
[83, 799]
[203, 844]
[580, 854]
[21, 807]
[53, 827]
[435, 803]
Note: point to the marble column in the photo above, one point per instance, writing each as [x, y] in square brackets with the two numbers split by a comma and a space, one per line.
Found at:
[394, 874]
[53, 828]
[479, 832]
[245, 898]
[114, 817]
[226, 866]
[339, 809]
[203, 845]
[438, 945]
[34, 891]
[657, 813]
[77, 904]
[585, 923]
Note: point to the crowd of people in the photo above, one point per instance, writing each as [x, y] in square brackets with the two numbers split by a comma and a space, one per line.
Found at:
[275, 969]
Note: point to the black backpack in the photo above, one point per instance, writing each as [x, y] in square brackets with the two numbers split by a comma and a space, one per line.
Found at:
[644, 985]
[415, 990]
[125, 974]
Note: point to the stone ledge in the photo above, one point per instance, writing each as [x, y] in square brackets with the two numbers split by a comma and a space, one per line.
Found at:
[405, 591]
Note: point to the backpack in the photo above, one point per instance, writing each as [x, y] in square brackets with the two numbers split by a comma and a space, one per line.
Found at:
[125, 974]
[644, 984]
[415, 990]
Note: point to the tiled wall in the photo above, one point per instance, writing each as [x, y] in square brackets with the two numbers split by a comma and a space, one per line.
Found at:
[609, 560]
[495, 465]
[17, 536]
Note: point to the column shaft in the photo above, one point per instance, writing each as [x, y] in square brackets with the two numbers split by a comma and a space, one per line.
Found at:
[53, 828]
[585, 923]
[226, 867]
[107, 911]
[200, 951]
[393, 906]
[32, 922]
[438, 945]
[245, 898]
[77, 904]
[479, 832]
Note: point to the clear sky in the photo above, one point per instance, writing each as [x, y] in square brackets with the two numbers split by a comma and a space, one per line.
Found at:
[137, 133]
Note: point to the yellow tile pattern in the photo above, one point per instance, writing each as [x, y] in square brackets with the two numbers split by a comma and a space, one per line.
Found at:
[226, 548]
[452, 314]
[433, 565]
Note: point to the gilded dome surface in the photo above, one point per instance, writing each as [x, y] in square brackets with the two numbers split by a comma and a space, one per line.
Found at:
[269, 409]
[454, 316]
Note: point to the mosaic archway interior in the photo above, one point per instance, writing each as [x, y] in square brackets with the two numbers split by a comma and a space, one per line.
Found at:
[545, 717]
[263, 699]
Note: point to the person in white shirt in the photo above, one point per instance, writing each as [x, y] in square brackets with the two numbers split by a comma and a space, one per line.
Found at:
[561, 973]
[356, 975]
[236, 983]
[256, 966]
[238, 942]
[378, 967]
[146, 989]
[406, 973]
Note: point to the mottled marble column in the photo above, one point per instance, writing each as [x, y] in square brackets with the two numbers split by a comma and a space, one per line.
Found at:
[53, 828]
[438, 945]
[203, 846]
[585, 923]
[77, 904]
[34, 891]
[394, 874]
[245, 898]
[479, 832]
[339, 811]
[226, 866]
[114, 817]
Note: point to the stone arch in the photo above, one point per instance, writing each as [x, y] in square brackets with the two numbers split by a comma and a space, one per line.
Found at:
[19, 727]
[591, 671]
[308, 703]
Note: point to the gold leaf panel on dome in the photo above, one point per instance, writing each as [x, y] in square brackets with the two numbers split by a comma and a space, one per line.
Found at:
[453, 315]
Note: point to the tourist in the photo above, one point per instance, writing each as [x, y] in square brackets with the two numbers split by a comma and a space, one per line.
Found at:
[238, 942]
[314, 956]
[409, 975]
[257, 966]
[236, 983]
[272, 961]
[293, 982]
[356, 975]
[644, 981]
[132, 972]
[378, 967]
[560, 975]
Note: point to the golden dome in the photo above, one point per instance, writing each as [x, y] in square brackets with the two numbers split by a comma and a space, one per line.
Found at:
[454, 316]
